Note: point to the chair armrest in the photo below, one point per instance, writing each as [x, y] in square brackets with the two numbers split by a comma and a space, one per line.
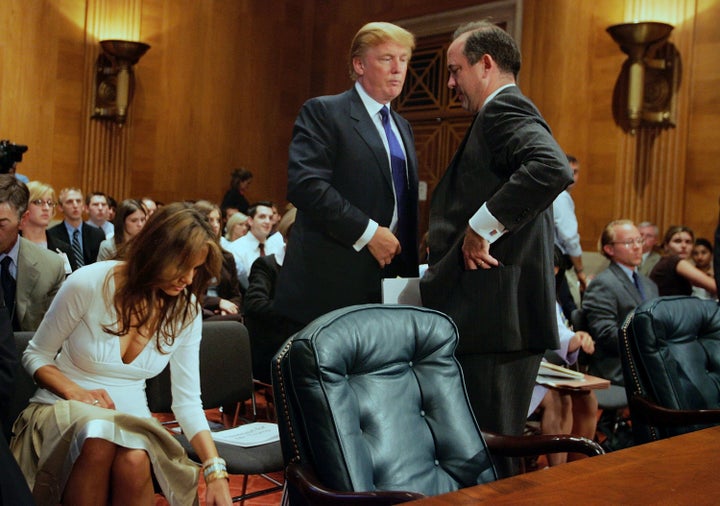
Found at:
[646, 411]
[525, 446]
[307, 485]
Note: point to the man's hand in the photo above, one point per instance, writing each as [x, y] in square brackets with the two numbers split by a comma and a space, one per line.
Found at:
[476, 252]
[384, 246]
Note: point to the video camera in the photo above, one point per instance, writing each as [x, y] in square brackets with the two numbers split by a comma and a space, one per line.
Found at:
[10, 153]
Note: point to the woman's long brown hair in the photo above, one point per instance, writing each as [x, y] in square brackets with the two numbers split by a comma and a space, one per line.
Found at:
[169, 242]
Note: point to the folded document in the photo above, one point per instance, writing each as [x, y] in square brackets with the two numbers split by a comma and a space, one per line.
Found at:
[250, 434]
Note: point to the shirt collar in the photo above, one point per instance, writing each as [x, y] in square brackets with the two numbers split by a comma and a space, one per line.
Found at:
[371, 105]
[627, 270]
[494, 93]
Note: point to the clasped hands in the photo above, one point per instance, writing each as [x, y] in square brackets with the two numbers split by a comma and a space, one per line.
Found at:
[384, 246]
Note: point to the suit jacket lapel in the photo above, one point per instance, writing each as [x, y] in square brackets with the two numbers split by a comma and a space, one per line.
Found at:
[629, 286]
[365, 127]
[26, 280]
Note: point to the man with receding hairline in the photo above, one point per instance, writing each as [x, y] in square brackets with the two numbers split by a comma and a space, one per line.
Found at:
[491, 231]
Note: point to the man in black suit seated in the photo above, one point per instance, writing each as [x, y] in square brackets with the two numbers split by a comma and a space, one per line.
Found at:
[13, 487]
[84, 239]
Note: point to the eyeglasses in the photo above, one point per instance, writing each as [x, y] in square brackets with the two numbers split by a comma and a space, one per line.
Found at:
[40, 202]
[638, 241]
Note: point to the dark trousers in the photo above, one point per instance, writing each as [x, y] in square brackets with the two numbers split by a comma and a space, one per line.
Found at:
[499, 387]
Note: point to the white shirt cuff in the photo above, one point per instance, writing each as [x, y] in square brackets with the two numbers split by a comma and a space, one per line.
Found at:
[486, 225]
[372, 227]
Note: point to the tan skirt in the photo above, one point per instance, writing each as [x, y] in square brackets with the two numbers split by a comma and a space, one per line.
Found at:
[49, 437]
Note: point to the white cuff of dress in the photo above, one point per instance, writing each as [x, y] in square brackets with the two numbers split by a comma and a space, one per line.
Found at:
[486, 225]
[370, 230]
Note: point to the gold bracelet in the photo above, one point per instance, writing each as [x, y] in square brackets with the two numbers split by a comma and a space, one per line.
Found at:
[216, 476]
[213, 460]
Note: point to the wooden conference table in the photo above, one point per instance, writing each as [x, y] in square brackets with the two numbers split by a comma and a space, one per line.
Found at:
[679, 470]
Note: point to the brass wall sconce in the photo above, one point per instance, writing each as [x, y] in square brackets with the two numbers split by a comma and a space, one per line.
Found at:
[644, 94]
[114, 78]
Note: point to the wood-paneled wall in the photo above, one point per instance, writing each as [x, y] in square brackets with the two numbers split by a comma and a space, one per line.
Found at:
[224, 79]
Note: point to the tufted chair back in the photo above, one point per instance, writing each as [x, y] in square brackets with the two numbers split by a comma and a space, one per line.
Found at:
[670, 349]
[371, 398]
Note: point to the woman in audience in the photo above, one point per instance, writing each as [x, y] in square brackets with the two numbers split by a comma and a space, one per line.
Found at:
[130, 218]
[702, 256]
[41, 210]
[223, 299]
[87, 436]
[266, 328]
[675, 274]
[235, 228]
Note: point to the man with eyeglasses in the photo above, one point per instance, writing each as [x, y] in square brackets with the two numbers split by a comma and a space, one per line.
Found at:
[613, 294]
[30, 275]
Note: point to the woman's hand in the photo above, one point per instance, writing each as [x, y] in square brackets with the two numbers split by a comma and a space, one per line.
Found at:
[98, 397]
[218, 493]
[227, 307]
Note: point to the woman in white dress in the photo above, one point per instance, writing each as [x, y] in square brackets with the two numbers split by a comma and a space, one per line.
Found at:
[87, 436]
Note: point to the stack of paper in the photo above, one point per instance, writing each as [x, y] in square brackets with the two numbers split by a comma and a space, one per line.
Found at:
[250, 434]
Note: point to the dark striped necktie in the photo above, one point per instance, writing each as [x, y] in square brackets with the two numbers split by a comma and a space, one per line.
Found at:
[77, 250]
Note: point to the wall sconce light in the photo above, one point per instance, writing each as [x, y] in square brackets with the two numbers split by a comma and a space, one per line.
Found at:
[644, 93]
[114, 78]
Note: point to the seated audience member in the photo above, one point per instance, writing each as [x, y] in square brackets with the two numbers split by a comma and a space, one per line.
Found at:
[223, 299]
[266, 327]
[702, 256]
[30, 275]
[98, 209]
[651, 252]
[118, 323]
[130, 218]
[675, 274]
[716, 254]
[257, 242]
[13, 488]
[235, 227]
[615, 292]
[565, 411]
[150, 205]
[235, 197]
[33, 227]
[84, 240]
[112, 209]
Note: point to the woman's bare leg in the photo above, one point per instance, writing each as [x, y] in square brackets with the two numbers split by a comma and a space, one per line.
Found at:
[89, 480]
[132, 479]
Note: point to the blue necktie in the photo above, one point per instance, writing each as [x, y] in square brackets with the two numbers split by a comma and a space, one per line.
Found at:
[636, 280]
[9, 286]
[400, 182]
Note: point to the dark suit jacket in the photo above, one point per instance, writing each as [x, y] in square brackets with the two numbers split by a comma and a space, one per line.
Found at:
[338, 177]
[91, 237]
[510, 161]
[39, 276]
[607, 301]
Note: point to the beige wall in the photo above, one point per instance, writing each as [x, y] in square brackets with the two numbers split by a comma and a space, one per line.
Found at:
[224, 79]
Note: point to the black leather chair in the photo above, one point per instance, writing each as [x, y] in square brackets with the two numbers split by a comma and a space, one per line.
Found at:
[372, 408]
[670, 349]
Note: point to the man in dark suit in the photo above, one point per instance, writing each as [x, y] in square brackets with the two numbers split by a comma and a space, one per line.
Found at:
[86, 243]
[491, 231]
[354, 185]
[30, 274]
[613, 294]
